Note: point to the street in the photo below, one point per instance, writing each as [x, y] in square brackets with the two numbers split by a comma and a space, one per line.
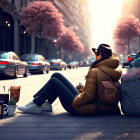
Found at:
[31, 84]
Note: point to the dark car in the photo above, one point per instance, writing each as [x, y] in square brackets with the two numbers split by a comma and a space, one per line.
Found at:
[128, 61]
[136, 63]
[37, 63]
[57, 64]
[11, 65]
[73, 65]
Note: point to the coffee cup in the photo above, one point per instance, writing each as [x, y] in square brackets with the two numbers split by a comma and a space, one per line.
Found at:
[15, 92]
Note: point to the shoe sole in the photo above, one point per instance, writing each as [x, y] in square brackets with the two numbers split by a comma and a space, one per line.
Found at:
[33, 112]
[47, 109]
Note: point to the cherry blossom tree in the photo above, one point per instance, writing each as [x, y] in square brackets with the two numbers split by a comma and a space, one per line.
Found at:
[126, 31]
[88, 52]
[42, 19]
[70, 41]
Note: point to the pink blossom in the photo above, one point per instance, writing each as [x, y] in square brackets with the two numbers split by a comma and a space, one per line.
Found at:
[127, 77]
[70, 41]
[42, 19]
[126, 31]
[138, 72]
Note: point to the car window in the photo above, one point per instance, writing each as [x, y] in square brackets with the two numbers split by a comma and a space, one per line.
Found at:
[41, 58]
[15, 57]
[4, 55]
[54, 60]
[30, 58]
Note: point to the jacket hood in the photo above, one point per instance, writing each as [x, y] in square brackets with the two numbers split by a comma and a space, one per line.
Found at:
[109, 67]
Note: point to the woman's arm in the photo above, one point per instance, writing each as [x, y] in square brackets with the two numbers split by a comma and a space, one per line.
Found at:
[89, 93]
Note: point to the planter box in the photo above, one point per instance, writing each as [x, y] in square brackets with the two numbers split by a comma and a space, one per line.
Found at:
[11, 110]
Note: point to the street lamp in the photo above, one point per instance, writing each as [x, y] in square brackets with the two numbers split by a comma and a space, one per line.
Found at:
[55, 41]
[54, 48]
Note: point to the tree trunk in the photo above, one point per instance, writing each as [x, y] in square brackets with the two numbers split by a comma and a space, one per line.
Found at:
[59, 52]
[40, 49]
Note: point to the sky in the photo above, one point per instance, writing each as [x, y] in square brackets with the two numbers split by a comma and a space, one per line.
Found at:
[105, 14]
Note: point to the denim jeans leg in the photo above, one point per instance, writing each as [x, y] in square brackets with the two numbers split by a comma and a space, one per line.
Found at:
[55, 88]
[63, 80]
[66, 82]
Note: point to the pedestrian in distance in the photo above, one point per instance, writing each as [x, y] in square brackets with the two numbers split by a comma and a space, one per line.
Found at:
[74, 100]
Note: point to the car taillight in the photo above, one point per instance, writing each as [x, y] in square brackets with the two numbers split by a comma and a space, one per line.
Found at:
[54, 62]
[4, 62]
[129, 59]
[36, 64]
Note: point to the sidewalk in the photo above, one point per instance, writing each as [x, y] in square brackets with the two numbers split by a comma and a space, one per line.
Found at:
[59, 125]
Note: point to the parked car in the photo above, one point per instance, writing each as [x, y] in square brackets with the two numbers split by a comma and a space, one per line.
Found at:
[136, 63]
[86, 63]
[57, 64]
[91, 60]
[11, 65]
[73, 65]
[37, 63]
[128, 61]
[81, 63]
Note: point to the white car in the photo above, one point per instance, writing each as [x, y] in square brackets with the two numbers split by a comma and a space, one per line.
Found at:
[57, 64]
[12, 65]
[37, 63]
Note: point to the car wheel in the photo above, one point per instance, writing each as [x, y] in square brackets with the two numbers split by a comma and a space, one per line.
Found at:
[48, 69]
[43, 70]
[16, 72]
[26, 72]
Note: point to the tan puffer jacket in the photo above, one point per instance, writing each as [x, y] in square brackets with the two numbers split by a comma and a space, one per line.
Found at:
[86, 102]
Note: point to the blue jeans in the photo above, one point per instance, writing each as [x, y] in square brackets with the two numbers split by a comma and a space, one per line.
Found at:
[57, 86]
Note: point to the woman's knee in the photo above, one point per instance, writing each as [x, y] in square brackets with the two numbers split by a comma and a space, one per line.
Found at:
[56, 74]
[54, 81]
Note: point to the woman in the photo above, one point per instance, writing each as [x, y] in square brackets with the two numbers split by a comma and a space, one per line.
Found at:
[86, 101]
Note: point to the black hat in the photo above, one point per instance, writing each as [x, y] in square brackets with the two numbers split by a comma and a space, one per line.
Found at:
[104, 49]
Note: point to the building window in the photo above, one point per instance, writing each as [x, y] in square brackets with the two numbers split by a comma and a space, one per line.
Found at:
[21, 4]
[6, 31]
[13, 2]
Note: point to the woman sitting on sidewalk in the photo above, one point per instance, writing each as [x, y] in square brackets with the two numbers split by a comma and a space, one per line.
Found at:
[74, 102]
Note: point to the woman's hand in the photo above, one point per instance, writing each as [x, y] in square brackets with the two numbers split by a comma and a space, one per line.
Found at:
[80, 88]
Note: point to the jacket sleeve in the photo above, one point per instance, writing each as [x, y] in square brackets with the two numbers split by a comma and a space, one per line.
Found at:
[89, 94]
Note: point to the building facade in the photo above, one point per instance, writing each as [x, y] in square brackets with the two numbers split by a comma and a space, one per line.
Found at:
[75, 14]
[14, 38]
